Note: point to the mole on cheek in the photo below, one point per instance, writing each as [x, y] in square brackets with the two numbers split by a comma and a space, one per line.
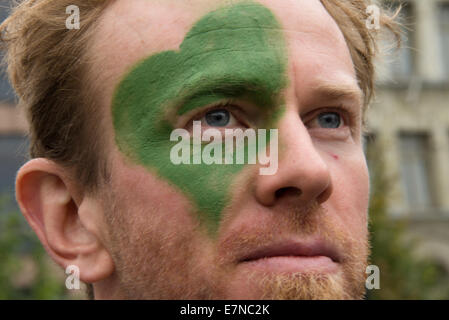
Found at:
[335, 156]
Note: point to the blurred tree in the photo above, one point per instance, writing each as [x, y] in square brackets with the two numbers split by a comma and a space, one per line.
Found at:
[402, 274]
[25, 269]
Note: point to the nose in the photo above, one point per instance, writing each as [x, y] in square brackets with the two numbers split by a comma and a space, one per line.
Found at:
[302, 176]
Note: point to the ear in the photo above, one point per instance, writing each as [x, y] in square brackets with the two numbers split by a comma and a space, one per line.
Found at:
[67, 222]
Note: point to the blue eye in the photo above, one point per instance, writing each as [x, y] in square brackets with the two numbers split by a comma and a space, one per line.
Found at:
[218, 118]
[329, 120]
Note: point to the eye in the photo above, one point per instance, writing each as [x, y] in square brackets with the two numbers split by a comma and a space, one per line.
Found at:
[218, 118]
[221, 116]
[329, 120]
[335, 123]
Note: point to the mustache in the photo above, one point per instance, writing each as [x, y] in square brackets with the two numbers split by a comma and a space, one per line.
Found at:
[290, 221]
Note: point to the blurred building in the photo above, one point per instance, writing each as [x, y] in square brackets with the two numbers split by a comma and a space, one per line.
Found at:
[13, 142]
[409, 119]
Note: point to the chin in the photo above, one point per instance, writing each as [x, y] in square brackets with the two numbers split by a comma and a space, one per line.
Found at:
[296, 286]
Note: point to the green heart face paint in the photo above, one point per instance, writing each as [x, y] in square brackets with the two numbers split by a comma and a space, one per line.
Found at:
[235, 52]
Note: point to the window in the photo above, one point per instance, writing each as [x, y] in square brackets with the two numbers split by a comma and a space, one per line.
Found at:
[13, 150]
[444, 34]
[371, 149]
[6, 92]
[415, 170]
[402, 68]
[398, 65]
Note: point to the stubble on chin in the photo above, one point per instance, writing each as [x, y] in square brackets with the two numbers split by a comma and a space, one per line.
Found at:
[347, 283]
[300, 286]
[151, 264]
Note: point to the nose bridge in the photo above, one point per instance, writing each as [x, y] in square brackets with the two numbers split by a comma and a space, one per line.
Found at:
[301, 166]
[299, 154]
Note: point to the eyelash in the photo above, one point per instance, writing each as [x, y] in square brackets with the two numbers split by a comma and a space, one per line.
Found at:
[347, 114]
[229, 105]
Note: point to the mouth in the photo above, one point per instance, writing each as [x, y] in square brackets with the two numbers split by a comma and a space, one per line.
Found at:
[293, 256]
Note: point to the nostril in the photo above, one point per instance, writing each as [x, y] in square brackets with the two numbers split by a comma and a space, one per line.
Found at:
[288, 192]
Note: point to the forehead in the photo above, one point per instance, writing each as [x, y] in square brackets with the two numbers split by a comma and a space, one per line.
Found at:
[129, 31]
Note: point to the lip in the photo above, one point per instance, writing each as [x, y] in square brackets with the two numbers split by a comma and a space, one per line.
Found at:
[294, 256]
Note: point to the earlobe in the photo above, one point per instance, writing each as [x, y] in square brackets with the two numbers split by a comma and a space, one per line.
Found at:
[65, 227]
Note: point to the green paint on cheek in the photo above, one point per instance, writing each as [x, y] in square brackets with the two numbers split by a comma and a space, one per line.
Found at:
[233, 52]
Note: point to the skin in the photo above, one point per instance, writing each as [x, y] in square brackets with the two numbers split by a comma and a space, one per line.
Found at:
[140, 235]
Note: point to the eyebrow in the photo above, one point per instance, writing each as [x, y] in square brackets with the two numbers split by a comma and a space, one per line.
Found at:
[337, 91]
[214, 89]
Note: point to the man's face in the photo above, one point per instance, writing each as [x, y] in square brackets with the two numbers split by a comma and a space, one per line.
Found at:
[226, 231]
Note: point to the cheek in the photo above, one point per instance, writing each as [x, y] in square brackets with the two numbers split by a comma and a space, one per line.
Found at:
[150, 204]
[155, 240]
[350, 197]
